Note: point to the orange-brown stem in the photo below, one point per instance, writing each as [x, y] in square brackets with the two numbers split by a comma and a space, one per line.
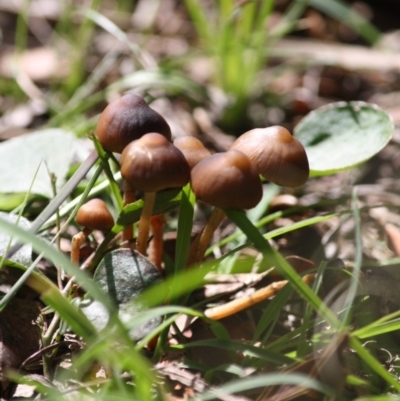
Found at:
[202, 241]
[144, 222]
[77, 241]
[237, 305]
[127, 233]
[156, 246]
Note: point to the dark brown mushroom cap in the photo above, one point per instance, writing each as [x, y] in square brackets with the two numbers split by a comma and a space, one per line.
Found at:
[95, 215]
[192, 148]
[277, 155]
[152, 164]
[127, 119]
[227, 180]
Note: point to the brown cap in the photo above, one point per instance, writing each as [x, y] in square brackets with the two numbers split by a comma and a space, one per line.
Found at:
[227, 180]
[94, 214]
[277, 155]
[127, 119]
[152, 163]
[192, 148]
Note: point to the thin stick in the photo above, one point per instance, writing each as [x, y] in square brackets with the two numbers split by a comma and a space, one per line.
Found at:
[237, 305]
[202, 241]
[144, 222]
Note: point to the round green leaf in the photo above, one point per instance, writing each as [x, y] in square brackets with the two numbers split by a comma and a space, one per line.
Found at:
[342, 135]
[123, 274]
[24, 255]
[27, 161]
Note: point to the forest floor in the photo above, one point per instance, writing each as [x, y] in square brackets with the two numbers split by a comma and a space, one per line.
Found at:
[61, 65]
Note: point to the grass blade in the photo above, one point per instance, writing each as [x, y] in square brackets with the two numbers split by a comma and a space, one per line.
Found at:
[59, 259]
[185, 223]
[373, 363]
[343, 13]
[51, 296]
[264, 380]
[276, 260]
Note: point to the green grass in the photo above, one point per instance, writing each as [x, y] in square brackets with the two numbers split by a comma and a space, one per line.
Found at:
[274, 354]
[236, 36]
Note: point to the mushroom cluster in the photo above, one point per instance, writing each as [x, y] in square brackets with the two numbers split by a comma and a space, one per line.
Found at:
[230, 180]
[150, 162]
[123, 121]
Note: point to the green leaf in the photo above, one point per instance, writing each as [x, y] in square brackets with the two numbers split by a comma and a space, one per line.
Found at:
[123, 274]
[185, 224]
[24, 255]
[165, 201]
[47, 152]
[9, 202]
[342, 135]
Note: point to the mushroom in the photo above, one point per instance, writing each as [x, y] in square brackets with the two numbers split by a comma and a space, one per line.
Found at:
[152, 164]
[277, 155]
[127, 119]
[227, 181]
[192, 148]
[123, 121]
[92, 215]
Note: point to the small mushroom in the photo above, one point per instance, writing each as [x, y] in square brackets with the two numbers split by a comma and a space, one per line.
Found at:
[123, 121]
[127, 119]
[192, 148]
[152, 164]
[227, 181]
[277, 155]
[92, 215]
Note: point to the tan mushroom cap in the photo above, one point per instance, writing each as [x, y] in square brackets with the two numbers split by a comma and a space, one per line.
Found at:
[192, 148]
[227, 180]
[277, 155]
[95, 215]
[127, 119]
[152, 164]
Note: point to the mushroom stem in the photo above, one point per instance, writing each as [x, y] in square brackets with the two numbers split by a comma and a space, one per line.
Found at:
[144, 222]
[77, 241]
[237, 305]
[156, 246]
[127, 233]
[201, 242]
